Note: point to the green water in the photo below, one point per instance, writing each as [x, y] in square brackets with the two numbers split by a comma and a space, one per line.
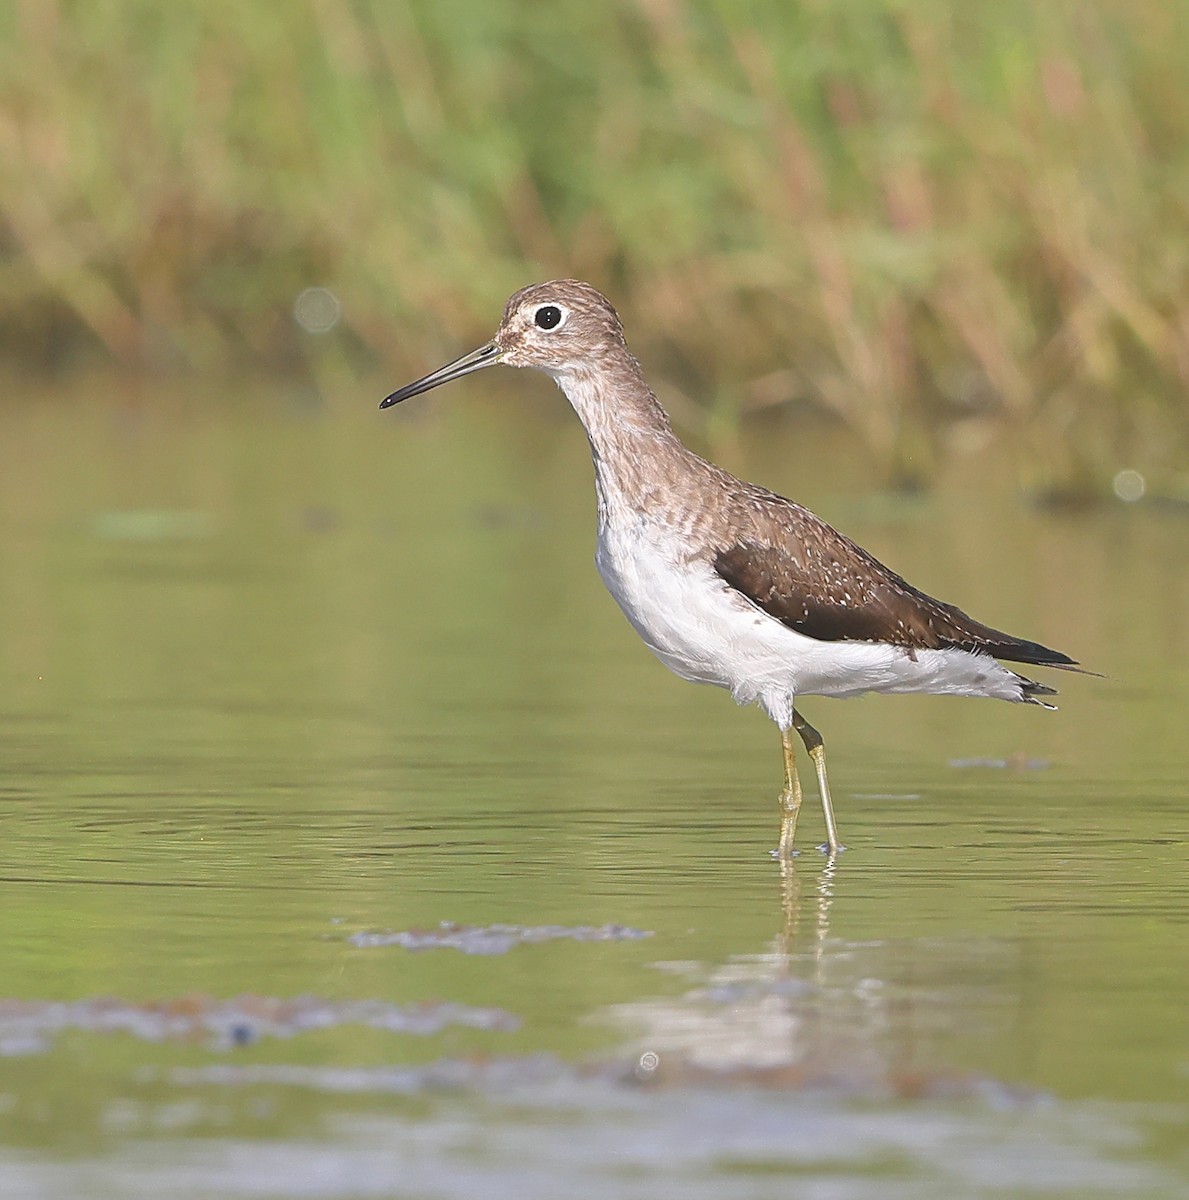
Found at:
[277, 670]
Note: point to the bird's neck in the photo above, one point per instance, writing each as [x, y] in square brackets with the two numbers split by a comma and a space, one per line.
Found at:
[635, 451]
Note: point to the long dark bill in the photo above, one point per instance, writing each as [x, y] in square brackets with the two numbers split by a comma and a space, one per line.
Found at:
[485, 356]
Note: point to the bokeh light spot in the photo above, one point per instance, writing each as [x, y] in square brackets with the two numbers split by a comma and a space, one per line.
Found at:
[1129, 485]
[317, 310]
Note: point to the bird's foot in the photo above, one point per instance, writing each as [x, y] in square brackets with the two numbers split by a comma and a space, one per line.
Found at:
[829, 850]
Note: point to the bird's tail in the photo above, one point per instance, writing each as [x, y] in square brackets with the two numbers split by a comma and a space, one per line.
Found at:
[1031, 691]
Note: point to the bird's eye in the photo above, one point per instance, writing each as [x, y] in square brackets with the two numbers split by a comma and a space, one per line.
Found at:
[548, 316]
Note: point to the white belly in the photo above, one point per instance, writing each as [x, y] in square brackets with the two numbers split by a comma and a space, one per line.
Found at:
[704, 630]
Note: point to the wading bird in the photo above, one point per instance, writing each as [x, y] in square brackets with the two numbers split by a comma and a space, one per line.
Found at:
[729, 583]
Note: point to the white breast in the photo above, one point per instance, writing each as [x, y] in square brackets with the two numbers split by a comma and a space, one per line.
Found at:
[705, 631]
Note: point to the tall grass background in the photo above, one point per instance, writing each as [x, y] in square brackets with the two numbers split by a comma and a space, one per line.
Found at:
[935, 221]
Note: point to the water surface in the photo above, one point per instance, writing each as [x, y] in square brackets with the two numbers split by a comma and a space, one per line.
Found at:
[280, 677]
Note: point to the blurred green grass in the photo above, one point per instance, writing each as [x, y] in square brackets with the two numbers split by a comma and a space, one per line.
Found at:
[939, 222]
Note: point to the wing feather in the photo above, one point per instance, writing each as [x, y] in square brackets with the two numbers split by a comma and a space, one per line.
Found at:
[826, 587]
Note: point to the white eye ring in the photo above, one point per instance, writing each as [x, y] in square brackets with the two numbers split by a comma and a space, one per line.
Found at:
[549, 317]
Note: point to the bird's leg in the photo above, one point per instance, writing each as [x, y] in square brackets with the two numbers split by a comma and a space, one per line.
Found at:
[790, 798]
[817, 752]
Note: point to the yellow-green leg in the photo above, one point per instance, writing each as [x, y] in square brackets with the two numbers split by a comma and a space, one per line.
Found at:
[817, 752]
[790, 798]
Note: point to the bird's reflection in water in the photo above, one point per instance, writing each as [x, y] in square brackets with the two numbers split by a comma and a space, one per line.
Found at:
[753, 1012]
[806, 918]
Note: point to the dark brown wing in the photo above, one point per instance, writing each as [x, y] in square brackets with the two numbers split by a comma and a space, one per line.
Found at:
[824, 586]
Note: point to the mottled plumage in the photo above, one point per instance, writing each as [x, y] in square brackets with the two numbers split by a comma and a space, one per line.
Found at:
[728, 583]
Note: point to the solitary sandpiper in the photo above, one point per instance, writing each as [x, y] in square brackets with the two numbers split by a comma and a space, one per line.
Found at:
[726, 582]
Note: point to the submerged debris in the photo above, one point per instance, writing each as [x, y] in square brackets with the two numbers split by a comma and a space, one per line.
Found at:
[494, 939]
[29, 1026]
[444, 1074]
[670, 1072]
[1015, 762]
